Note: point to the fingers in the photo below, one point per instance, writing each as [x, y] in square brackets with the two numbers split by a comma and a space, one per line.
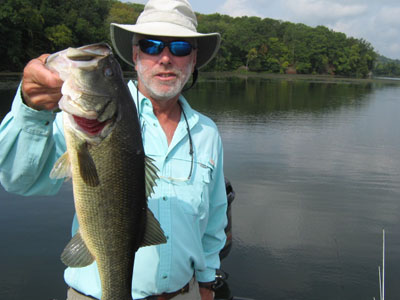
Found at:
[50, 78]
[41, 87]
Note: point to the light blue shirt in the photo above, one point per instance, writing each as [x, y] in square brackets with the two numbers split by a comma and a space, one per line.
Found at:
[192, 212]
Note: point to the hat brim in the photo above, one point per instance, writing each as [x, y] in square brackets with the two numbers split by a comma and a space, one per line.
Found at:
[122, 34]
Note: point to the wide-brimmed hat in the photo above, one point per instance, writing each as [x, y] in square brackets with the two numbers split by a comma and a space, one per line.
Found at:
[169, 18]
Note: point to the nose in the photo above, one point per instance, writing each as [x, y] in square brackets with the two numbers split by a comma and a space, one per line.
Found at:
[165, 56]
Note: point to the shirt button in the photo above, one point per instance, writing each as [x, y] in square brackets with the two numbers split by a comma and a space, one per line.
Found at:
[164, 198]
[165, 276]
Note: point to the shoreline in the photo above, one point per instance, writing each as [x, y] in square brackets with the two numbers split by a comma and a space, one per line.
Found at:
[302, 77]
[289, 77]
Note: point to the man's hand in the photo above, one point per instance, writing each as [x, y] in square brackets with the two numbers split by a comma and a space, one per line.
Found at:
[206, 294]
[41, 88]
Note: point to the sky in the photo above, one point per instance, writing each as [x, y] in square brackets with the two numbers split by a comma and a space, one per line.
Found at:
[377, 21]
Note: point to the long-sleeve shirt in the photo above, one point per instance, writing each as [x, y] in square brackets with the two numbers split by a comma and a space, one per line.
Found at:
[192, 212]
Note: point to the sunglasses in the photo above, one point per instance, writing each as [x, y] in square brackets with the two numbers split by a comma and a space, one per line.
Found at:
[155, 47]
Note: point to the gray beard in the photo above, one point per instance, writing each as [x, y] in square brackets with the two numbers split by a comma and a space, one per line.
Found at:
[176, 88]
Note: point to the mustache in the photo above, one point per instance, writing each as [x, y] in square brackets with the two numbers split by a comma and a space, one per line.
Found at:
[173, 70]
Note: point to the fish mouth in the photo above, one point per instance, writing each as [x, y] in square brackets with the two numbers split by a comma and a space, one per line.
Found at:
[97, 122]
[90, 126]
[91, 129]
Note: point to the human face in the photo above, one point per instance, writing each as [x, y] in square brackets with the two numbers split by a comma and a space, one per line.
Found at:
[162, 77]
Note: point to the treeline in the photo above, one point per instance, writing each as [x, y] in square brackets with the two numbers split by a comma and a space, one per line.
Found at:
[276, 46]
[387, 67]
[29, 28]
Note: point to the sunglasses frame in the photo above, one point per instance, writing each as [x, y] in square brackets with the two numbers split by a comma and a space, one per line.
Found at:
[161, 46]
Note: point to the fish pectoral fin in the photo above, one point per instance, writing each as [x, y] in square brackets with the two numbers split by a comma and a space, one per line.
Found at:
[153, 235]
[150, 175]
[76, 254]
[87, 168]
[62, 168]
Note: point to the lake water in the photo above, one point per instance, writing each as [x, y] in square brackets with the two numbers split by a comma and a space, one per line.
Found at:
[316, 170]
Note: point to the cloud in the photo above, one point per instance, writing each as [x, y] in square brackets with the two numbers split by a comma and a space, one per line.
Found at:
[322, 10]
[314, 12]
[389, 15]
[237, 8]
[135, 1]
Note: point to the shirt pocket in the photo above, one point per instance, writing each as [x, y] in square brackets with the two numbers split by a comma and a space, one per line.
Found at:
[191, 194]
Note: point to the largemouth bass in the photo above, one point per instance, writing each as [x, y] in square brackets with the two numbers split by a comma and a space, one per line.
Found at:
[111, 175]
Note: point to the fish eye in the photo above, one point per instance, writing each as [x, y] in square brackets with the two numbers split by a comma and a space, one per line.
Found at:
[108, 72]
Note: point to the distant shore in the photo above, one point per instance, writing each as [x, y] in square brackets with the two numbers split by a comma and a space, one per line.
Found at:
[289, 77]
[305, 77]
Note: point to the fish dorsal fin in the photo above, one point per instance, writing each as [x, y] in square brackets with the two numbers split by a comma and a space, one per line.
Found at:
[76, 254]
[87, 168]
[153, 234]
[150, 175]
[62, 168]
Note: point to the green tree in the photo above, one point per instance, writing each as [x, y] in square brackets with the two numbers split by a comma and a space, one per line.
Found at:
[29, 28]
[124, 13]
[251, 56]
[60, 36]
[277, 56]
[21, 32]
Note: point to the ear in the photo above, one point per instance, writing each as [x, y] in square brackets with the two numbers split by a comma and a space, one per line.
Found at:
[194, 60]
[135, 54]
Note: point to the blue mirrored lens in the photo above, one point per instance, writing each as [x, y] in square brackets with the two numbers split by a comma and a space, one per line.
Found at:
[151, 47]
[155, 47]
[180, 48]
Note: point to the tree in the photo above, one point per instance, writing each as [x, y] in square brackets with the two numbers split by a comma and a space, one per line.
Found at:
[251, 56]
[60, 36]
[29, 28]
[277, 56]
[124, 13]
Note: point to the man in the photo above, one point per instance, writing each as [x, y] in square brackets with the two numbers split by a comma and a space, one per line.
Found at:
[189, 200]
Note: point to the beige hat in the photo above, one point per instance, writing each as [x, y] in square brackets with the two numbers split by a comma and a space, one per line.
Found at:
[171, 18]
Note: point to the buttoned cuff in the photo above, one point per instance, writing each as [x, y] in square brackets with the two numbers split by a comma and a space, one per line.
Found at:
[207, 275]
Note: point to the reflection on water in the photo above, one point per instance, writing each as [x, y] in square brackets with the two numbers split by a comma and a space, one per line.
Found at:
[315, 167]
[256, 98]
[34, 231]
